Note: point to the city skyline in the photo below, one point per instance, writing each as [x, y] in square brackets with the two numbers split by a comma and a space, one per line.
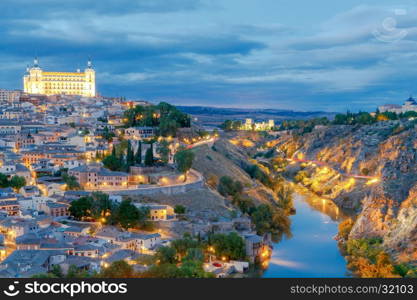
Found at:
[339, 57]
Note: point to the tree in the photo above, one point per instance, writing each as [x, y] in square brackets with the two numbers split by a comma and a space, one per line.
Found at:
[228, 187]
[81, 208]
[148, 157]
[182, 245]
[166, 255]
[164, 151]
[4, 181]
[230, 246]
[118, 269]
[267, 219]
[227, 125]
[193, 269]
[194, 254]
[285, 197]
[71, 182]
[17, 182]
[128, 215]
[102, 207]
[113, 163]
[345, 228]
[168, 127]
[179, 209]
[130, 156]
[184, 161]
[57, 271]
[138, 156]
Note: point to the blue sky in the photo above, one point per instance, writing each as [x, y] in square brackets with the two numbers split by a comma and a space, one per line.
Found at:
[302, 55]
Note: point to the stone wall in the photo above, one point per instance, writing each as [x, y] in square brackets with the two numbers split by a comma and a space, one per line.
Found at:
[167, 190]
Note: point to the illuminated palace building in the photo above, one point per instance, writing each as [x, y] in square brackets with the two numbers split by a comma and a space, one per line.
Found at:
[38, 81]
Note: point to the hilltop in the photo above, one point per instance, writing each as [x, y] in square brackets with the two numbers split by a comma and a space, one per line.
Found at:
[214, 116]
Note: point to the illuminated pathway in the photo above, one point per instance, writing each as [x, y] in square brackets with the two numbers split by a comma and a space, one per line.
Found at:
[372, 179]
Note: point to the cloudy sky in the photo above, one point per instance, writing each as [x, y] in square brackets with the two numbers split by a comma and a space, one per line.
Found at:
[293, 54]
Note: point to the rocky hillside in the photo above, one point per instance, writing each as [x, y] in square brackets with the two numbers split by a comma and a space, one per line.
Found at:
[226, 159]
[369, 168]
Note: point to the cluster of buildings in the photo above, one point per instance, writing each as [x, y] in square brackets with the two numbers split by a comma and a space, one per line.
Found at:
[55, 125]
[409, 105]
[36, 234]
[249, 124]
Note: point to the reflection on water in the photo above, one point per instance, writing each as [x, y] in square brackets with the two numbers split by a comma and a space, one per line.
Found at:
[312, 251]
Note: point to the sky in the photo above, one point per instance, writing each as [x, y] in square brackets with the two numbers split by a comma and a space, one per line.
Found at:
[297, 54]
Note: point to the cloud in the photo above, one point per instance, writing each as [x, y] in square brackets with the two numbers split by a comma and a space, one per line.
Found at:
[215, 52]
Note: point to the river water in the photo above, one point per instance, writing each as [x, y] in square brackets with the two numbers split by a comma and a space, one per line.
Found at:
[311, 251]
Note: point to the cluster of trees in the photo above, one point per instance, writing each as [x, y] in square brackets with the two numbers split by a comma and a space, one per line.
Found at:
[184, 258]
[364, 118]
[266, 218]
[277, 184]
[304, 125]
[367, 259]
[257, 173]
[230, 125]
[349, 118]
[98, 207]
[228, 187]
[123, 156]
[166, 117]
[345, 227]
[16, 182]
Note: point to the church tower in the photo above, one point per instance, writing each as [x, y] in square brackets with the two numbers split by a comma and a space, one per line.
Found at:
[32, 81]
[90, 79]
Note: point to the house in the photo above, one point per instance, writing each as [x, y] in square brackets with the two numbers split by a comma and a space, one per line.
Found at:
[124, 254]
[130, 240]
[139, 133]
[85, 250]
[15, 226]
[158, 212]
[10, 206]
[74, 195]
[33, 203]
[26, 263]
[75, 231]
[55, 209]
[84, 263]
[256, 246]
[29, 241]
[95, 177]
[30, 190]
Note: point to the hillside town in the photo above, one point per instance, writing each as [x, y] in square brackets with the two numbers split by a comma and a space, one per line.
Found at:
[78, 180]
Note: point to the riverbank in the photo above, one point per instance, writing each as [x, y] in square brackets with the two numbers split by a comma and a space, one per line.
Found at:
[311, 251]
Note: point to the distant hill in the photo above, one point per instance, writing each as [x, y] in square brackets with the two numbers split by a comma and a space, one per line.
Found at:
[213, 116]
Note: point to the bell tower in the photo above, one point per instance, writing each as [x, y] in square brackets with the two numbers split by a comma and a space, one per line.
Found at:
[90, 80]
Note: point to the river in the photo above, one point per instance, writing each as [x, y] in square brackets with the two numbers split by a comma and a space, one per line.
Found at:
[311, 251]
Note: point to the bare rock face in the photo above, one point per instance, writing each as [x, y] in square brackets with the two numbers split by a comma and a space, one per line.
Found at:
[376, 217]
